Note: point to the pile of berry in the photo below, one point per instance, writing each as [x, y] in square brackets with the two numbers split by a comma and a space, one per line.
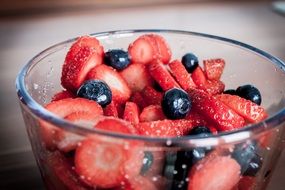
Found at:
[142, 91]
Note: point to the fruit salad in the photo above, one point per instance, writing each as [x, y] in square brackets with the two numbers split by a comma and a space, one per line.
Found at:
[145, 91]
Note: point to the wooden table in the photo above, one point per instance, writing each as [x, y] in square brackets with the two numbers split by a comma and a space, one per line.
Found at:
[22, 36]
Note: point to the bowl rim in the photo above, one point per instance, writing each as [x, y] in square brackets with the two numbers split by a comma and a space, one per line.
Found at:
[224, 137]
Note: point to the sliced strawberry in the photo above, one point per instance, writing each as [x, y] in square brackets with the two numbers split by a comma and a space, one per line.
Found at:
[152, 113]
[142, 50]
[83, 55]
[181, 75]
[100, 162]
[165, 128]
[111, 110]
[161, 75]
[247, 183]
[63, 174]
[137, 76]
[63, 108]
[213, 87]
[131, 113]
[138, 99]
[120, 90]
[198, 77]
[214, 172]
[115, 125]
[214, 68]
[224, 117]
[141, 183]
[163, 51]
[252, 112]
[62, 95]
[151, 96]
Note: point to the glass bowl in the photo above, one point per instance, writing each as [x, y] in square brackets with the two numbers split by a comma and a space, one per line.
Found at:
[161, 163]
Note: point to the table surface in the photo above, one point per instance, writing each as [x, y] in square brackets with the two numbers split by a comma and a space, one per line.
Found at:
[22, 36]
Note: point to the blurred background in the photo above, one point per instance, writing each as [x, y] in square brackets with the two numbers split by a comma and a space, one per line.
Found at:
[28, 27]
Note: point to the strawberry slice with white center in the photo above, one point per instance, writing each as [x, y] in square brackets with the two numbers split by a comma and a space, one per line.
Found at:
[165, 128]
[137, 76]
[53, 135]
[152, 113]
[119, 87]
[83, 55]
[214, 172]
[161, 75]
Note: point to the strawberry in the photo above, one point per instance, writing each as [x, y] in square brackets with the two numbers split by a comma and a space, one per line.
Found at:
[198, 77]
[63, 108]
[138, 99]
[213, 87]
[165, 128]
[100, 162]
[161, 75]
[120, 90]
[111, 110]
[252, 112]
[224, 117]
[62, 172]
[163, 51]
[211, 173]
[62, 95]
[214, 68]
[115, 125]
[142, 50]
[83, 55]
[151, 96]
[181, 75]
[247, 183]
[137, 76]
[152, 113]
[131, 113]
[141, 183]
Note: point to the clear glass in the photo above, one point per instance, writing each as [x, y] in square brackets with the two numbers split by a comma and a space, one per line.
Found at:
[39, 80]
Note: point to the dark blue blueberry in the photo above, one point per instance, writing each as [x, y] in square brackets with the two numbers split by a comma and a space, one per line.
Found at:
[230, 91]
[200, 131]
[147, 162]
[254, 166]
[244, 153]
[117, 58]
[249, 92]
[96, 90]
[190, 62]
[176, 103]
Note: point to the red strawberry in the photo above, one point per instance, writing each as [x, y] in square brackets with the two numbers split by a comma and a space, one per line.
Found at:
[120, 90]
[225, 118]
[115, 125]
[213, 87]
[152, 113]
[62, 95]
[161, 75]
[214, 68]
[100, 162]
[137, 76]
[63, 108]
[83, 55]
[163, 51]
[64, 175]
[141, 183]
[138, 99]
[165, 128]
[214, 172]
[247, 183]
[131, 113]
[142, 50]
[111, 110]
[199, 77]
[151, 96]
[181, 75]
[252, 112]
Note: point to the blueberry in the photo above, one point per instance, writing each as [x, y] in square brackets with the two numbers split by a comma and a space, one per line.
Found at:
[244, 154]
[200, 131]
[254, 166]
[176, 103]
[96, 90]
[117, 58]
[249, 92]
[147, 162]
[230, 91]
[190, 62]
